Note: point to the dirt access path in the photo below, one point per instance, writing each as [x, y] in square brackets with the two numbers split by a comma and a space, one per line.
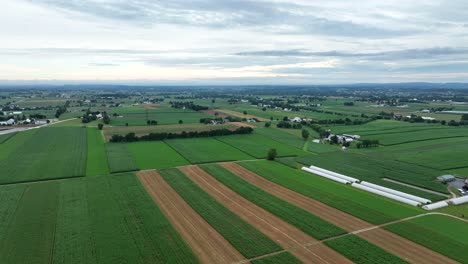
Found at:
[288, 236]
[391, 242]
[205, 241]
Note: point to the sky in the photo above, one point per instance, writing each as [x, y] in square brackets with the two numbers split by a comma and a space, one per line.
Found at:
[234, 42]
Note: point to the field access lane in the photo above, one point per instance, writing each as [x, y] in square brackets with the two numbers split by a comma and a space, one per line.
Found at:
[288, 236]
[399, 246]
[204, 240]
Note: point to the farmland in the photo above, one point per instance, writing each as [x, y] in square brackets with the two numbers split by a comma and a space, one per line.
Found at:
[202, 150]
[155, 155]
[96, 163]
[6, 137]
[119, 158]
[39, 158]
[162, 116]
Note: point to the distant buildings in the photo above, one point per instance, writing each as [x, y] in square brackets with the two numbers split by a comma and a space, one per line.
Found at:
[446, 178]
[9, 122]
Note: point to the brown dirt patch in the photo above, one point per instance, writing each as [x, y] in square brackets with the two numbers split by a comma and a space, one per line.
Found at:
[205, 241]
[288, 236]
[393, 243]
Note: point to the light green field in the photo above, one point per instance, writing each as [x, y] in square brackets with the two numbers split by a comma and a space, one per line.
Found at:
[87, 220]
[420, 135]
[440, 233]
[201, 150]
[369, 207]
[96, 163]
[47, 153]
[257, 145]
[155, 155]
[120, 158]
[5, 137]
[283, 137]
[139, 118]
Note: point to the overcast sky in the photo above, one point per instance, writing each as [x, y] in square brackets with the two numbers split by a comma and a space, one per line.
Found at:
[224, 41]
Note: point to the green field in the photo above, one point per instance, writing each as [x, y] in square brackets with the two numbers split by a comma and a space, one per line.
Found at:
[369, 207]
[393, 138]
[155, 155]
[245, 238]
[47, 153]
[305, 221]
[88, 220]
[201, 150]
[96, 163]
[5, 137]
[282, 136]
[280, 258]
[119, 158]
[362, 252]
[373, 168]
[164, 117]
[257, 145]
[442, 234]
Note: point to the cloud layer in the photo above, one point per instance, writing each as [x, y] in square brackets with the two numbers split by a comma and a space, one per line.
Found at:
[264, 41]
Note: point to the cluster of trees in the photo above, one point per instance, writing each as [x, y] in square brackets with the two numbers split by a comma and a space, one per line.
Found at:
[62, 109]
[348, 103]
[38, 116]
[151, 122]
[92, 116]
[131, 137]
[367, 143]
[188, 105]
[285, 124]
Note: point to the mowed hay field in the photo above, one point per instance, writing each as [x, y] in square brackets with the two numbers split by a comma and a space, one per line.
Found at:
[257, 145]
[45, 153]
[87, 220]
[155, 155]
[201, 150]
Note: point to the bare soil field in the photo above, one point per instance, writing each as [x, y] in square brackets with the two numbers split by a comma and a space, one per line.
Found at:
[394, 244]
[288, 236]
[208, 244]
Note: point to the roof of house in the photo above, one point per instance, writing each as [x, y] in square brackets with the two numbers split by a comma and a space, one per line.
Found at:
[445, 177]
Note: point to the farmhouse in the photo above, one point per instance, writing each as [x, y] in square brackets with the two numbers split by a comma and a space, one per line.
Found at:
[446, 178]
[427, 118]
[425, 111]
[296, 119]
[9, 122]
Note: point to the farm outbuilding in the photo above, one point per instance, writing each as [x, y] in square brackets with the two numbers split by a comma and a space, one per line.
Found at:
[446, 178]
[395, 192]
[435, 205]
[385, 194]
[325, 175]
[459, 200]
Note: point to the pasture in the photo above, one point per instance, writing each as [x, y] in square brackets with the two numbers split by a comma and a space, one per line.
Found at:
[47, 153]
[87, 220]
[155, 155]
[257, 145]
[440, 233]
[245, 238]
[119, 158]
[371, 208]
[202, 150]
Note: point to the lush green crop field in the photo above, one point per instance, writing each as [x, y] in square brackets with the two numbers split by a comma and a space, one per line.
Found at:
[96, 160]
[282, 136]
[5, 137]
[280, 258]
[119, 158]
[47, 153]
[420, 135]
[17, 141]
[122, 130]
[442, 234]
[155, 155]
[362, 252]
[245, 238]
[369, 207]
[379, 126]
[257, 145]
[307, 222]
[87, 220]
[200, 150]
[321, 148]
[373, 168]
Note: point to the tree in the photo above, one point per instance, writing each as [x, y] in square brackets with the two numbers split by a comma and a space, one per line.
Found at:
[245, 112]
[148, 122]
[464, 117]
[267, 124]
[305, 134]
[272, 154]
[264, 109]
[100, 126]
[181, 122]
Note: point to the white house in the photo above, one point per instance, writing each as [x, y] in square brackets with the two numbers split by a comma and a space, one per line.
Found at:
[425, 111]
[99, 116]
[296, 119]
[9, 122]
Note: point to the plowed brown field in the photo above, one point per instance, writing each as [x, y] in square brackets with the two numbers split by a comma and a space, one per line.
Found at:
[394, 244]
[288, 236]
[208, 244]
